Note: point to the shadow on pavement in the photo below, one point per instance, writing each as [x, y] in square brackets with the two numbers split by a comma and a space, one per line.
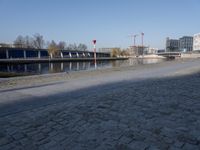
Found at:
[164, 88]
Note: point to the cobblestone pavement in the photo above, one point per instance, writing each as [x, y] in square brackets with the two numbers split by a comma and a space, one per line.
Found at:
[156, 114]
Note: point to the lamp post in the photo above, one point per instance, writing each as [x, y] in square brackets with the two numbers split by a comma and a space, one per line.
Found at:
[95, 57]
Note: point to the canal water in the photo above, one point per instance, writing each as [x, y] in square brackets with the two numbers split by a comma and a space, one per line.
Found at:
[45, 68]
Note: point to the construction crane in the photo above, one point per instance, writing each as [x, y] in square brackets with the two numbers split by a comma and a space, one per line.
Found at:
[134, 38]
[142, 37]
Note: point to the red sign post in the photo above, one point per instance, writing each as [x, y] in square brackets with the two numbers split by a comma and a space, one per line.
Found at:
[95, 57]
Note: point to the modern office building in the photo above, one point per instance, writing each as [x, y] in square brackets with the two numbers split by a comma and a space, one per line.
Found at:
[172, 45]
[196, 42]
[183, 44]
[186, 44]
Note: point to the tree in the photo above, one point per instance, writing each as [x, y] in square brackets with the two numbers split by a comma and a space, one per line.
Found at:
[61, 45]
[38, 41]
[53, 49]
[72, 47]
[115, 52]
[82, 47]
[19, 42]
[124, 52]
[29, 42]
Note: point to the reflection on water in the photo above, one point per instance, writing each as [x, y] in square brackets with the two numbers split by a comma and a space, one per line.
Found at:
[44, 68]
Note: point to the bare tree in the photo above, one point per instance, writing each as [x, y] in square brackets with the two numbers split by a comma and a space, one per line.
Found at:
[61, 45]
[38, 41]
[72, 47]
[82, 47]
[19, 42]
[29, 42]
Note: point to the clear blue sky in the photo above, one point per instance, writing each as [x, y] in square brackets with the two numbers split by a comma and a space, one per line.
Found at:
[108, 21]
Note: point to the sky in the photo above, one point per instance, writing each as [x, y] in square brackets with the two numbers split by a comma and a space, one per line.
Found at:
[110, 22]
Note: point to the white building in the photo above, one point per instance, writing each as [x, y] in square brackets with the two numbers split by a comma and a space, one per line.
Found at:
[151, 50]
[196, 42]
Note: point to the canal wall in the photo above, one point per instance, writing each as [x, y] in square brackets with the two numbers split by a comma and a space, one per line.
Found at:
[46, 60]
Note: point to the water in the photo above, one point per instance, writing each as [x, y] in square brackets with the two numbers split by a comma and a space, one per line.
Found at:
[45, 68]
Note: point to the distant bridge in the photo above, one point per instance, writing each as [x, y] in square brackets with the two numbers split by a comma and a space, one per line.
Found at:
[170, 54]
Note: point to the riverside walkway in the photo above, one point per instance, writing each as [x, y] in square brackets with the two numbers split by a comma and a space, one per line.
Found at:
[153, 107]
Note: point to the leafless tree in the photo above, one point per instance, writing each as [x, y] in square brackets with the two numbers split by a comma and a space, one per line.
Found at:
[29, 42]
[61, 45]
[38, 41]
[19, 42]
[72, 47]
[82, 47]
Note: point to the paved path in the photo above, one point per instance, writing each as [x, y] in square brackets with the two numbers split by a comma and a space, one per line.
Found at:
[147, 109]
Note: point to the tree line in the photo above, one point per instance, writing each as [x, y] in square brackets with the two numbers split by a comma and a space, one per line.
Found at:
[116, 52]
[37, 42]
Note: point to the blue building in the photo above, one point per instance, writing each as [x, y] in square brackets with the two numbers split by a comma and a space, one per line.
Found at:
[25, 53]
[9, 53]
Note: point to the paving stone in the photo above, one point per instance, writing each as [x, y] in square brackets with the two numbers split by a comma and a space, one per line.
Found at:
[152, 147]
[138, 145]
[7, 147]
[190, 146]
[50, 144]
[25, 141]
[4, 141]
[178, 144]
[38, 137]
[124, 140]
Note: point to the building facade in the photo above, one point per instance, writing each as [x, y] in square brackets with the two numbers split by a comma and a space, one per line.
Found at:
[10, 53]
[108, 49]
[150, 50]
[172, 45]
[196, 42]
[138, 50]
[186, 44]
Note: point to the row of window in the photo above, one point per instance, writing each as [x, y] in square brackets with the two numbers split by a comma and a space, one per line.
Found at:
[21, 54]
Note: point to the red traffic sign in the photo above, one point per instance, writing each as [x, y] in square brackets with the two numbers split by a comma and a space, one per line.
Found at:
[94, 41]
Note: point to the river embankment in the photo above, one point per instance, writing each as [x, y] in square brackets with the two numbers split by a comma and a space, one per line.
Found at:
[103, 72]
[46, 60]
